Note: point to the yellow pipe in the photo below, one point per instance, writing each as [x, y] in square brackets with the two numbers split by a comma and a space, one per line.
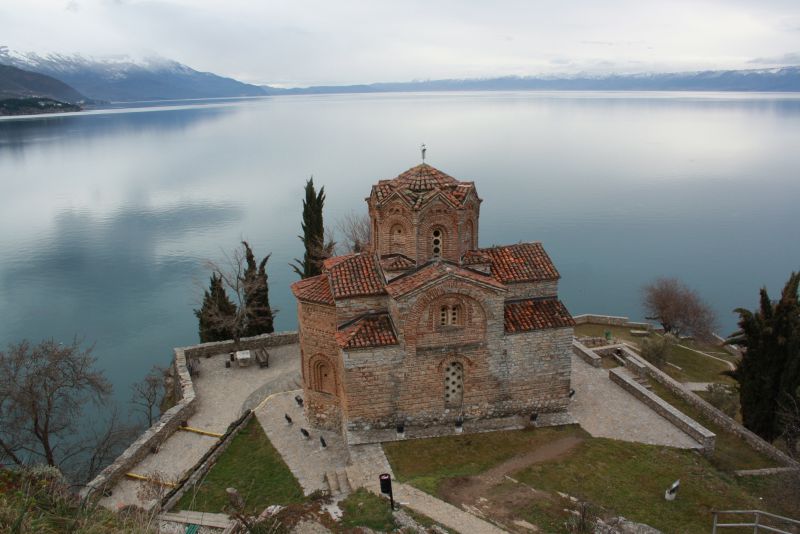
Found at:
[147, 479]
[198, 431]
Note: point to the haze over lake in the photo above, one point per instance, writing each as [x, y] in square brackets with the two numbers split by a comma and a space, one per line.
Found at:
[107, 219]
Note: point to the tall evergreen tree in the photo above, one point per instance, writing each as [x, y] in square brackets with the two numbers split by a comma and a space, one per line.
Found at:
[769, 371]
[313, 237]
[217, 314]
[259, 317]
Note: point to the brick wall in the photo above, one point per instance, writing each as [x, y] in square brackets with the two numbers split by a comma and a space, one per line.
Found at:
[318, 348]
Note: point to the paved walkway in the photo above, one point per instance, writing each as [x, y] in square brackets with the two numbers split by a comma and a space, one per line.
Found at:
[442, 512]
[222, 396]
[606, 410]
[309, 462]
[306, 458]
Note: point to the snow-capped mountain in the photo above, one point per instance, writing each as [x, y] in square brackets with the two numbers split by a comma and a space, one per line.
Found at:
[125, 79]
[773, 79]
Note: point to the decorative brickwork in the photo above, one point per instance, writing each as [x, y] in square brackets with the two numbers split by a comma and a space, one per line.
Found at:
[425, 331]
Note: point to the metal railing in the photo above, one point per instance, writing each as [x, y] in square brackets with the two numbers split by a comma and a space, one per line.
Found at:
[757, 523]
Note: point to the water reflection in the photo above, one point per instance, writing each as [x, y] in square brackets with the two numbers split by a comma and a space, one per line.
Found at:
[106, 220]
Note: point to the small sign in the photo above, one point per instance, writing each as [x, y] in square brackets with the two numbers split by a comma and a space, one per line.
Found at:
[386, 483]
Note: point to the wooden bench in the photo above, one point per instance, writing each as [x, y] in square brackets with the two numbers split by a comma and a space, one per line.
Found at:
[262, 357]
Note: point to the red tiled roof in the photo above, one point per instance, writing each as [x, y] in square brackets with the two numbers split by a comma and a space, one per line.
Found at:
[353, 276]
[524, 262]
[373, 330]
[433, 271]
[314, 289]
[422, 183]
[423, 178]
[536, 314]
[396, 262]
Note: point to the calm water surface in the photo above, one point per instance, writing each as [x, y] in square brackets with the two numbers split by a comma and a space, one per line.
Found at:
[106, 219]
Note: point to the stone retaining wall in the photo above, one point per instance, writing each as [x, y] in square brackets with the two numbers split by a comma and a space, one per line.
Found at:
[585, 354]
[692, 428]
[713, 413]
[153, 437]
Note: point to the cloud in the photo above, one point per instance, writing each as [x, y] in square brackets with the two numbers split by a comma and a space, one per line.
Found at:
[355, 41]
[791, 58]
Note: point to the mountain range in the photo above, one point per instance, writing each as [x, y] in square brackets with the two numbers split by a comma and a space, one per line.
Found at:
[124, 79]
[73, 78]
[778, 79]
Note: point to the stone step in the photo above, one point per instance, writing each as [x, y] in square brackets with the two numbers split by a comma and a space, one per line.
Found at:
[344, 483]
[354, 477]
[333, 482]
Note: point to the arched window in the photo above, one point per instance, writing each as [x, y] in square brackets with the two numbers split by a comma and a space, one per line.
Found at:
[437, 238]
[453, 385]
[397, 236]
[450, 315]
[323, 377]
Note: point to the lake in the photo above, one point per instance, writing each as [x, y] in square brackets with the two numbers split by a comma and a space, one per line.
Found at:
[107, 218]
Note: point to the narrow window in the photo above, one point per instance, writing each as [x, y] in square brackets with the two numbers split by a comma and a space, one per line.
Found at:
[453, 385]
[437, 243]
[443, 315]
[454, 315]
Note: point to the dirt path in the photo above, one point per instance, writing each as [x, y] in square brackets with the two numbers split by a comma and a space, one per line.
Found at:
[471, 490]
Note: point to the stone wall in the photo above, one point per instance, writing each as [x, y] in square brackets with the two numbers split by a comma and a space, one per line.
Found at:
[713, 413]
[168, 423]
[692, 428]
[589, 356]
[611, 320]
[503, 375]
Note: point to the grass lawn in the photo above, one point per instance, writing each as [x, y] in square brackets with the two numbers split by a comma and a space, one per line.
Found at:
[251, 465]
[730, 452]
[365, 509]
[426, 462]
[695, 367]
[629, 479]
[616, 477]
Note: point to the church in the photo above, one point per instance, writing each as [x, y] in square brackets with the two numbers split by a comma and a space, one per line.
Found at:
[426, 334]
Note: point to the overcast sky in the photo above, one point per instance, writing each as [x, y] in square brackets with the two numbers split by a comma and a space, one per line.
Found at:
[296, 42]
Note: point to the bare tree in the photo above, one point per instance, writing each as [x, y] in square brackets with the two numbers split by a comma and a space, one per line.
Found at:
[235, 273]
[679, 309]
[147, 394]
[44, 392]
[355, 232]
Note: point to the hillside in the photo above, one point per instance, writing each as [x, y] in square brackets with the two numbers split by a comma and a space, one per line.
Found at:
[19, 83]
[123, 79]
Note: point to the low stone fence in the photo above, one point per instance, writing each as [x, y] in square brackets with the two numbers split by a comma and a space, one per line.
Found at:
[611, 320]
[152, 438]
[692, 428]
[585, 354]
[712, 412]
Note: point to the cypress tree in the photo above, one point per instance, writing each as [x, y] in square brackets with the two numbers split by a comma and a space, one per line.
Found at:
[217, 315]
[259, 316]
[769, 371]
[313, 237]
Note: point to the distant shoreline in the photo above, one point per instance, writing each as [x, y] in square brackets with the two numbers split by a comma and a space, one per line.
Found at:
[147, 106]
